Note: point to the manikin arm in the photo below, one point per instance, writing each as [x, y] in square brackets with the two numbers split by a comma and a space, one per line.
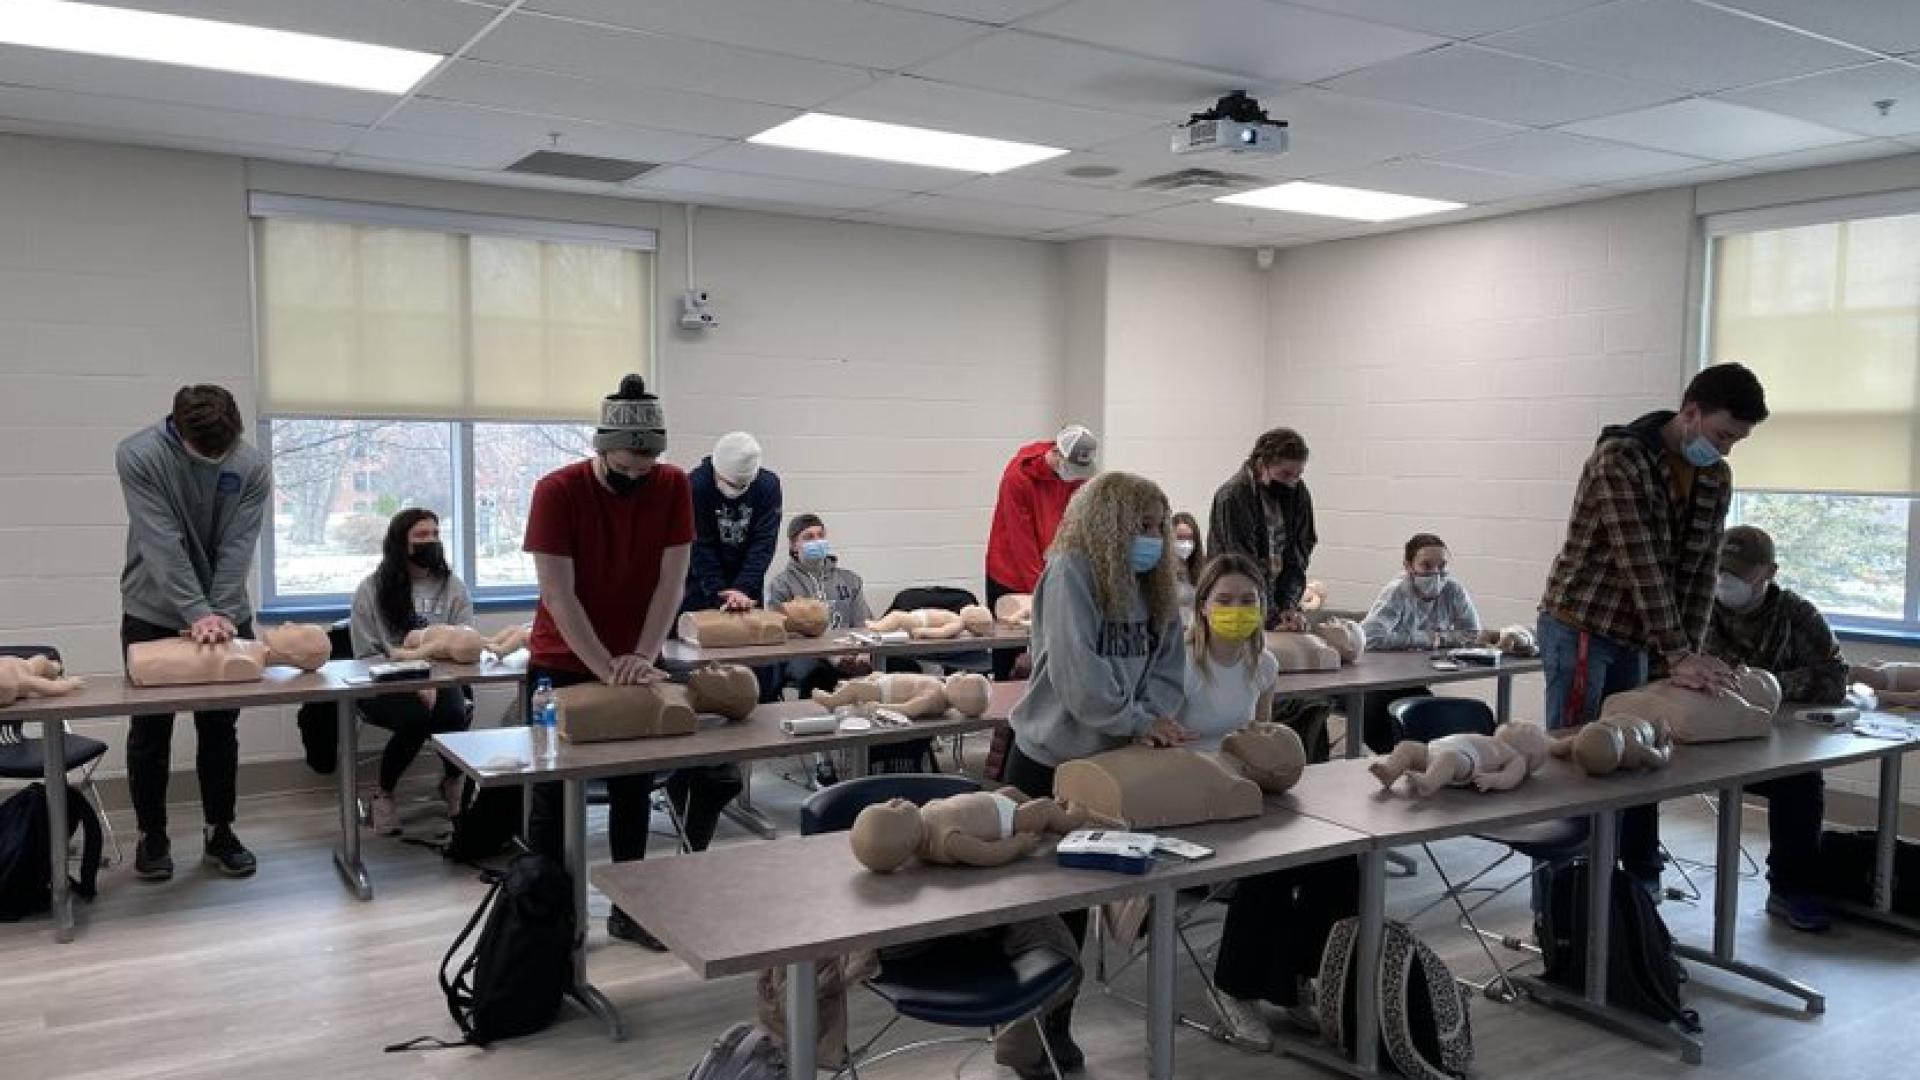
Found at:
[1504, 778]
[972, 851]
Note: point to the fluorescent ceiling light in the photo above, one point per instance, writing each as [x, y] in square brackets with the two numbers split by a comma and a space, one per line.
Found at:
[206, 43]
[1326, 200]
[829, 134]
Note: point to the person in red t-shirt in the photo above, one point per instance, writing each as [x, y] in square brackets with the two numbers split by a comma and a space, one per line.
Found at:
[610, 538]
[1034, 491]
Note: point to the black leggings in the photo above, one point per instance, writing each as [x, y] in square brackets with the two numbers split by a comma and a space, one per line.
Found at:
[216, 760]
[1277, 925]
[410, 723]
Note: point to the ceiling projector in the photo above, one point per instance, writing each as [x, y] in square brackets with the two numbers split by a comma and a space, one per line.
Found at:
[1237, 124]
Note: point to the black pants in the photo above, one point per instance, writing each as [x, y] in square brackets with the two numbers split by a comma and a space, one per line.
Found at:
[698, 795]
[1376, 725]
[410, 723]
[1003, 659]
[1796, 805]
[1277, 926]
[1036, 781]
[150, 748]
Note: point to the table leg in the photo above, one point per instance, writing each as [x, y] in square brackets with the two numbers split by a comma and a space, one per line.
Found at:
[346, 857]
[743, 813]
[1888, 839]
[1726, 910]
[1355, 706]
[1503, 699]
[860, 760]
[1161, 977]
[53, 747]
[574, 796]
[803, 1020]
[1365, 1062]
[1592, 1005]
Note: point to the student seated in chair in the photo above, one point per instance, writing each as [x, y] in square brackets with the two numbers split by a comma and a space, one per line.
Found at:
[1758, 623]
[1277, 922]
[412, 588]
[814, 572]
[1423, 608]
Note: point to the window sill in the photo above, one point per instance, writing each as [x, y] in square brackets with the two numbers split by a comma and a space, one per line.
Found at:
[333, 611]
[1874, 635]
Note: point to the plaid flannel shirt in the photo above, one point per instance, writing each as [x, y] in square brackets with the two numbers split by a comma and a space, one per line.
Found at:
[1789, 637]
[1635, 568]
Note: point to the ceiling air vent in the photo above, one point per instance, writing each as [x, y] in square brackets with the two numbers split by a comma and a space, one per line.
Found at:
[581, 167]
[1196, 180]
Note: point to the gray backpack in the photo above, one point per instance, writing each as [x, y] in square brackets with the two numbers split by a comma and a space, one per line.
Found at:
[745, 1052]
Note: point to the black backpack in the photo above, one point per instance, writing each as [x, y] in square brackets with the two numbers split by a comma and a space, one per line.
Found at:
[486, 822]
[1642, 973]
[512, 982]
[25, 862]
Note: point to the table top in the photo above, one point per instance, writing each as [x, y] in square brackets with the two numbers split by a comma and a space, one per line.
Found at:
[1003, 636]
[114, 695]
[1343, 792]
[1392, 671]
[717, 741]
[753, 906]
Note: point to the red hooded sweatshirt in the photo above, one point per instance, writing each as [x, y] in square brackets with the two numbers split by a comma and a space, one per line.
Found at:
[1032, 501]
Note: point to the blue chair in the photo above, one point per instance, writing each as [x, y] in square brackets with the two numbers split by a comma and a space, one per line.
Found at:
[1423, 719]
[950, 982]
[22, 758]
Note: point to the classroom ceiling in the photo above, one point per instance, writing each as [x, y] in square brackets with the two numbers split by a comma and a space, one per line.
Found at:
[1500, 104]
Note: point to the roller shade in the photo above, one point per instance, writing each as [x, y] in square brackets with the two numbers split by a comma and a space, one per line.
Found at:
[1828, 315]
[370, 319]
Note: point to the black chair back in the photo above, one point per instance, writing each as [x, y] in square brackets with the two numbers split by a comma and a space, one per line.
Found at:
[340, 636]
[28, 652]
[833, 809]
[1424, 719]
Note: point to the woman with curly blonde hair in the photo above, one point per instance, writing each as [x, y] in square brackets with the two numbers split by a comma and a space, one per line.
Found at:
[1108, 660]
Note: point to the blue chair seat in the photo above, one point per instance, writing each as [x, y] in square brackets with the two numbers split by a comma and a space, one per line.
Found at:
[1543, 840]
[27, 761]
[964, 982]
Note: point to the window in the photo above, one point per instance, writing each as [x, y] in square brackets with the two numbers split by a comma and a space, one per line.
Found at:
[443, 361]
[1823, 302]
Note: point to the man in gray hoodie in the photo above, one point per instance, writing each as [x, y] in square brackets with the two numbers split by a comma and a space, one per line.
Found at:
[196, 496]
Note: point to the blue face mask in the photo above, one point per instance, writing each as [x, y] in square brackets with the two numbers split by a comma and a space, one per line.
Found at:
[1145, 553]
[1700, 453]
[814, 551]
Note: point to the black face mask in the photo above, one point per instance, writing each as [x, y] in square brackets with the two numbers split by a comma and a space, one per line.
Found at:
[623, 485]
[427, 556]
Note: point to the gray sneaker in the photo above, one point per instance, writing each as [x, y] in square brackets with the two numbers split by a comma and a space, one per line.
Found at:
[153, 857]
[224, 851]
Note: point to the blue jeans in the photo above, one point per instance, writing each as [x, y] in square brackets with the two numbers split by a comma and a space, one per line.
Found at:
[1611, 667]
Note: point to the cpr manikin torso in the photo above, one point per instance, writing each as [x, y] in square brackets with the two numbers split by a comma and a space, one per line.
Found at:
[456, 644]
[179, 662]
[1743, 712]
[1152, 787]
[1301, 652]
[1897, 685]
[728, 629]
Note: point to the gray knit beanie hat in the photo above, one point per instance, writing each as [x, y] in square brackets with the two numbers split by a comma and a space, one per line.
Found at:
[631, 419]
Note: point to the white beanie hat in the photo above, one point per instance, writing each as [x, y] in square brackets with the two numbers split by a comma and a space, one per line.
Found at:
[736, 459]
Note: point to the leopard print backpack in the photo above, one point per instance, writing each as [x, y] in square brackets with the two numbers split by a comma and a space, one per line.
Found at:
[1424, 1026]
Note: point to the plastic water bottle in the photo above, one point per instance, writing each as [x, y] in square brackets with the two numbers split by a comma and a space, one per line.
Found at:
[546, 717]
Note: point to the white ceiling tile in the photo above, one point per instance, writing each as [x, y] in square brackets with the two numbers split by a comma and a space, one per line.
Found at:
[419, 148]
[1845, 99]
[1570, 158]
[491, 177]
[688, 180]
[997, 12]
[904, 99]
[1706, 174]
[841, 31]
[188, 86]
[943, 208]
[534, 131]
[970, 228]
[128, 115]
[1079, 198]
[1472, 81]
[826, 168]
[162, 140]
[1888, 25]
[1710, 129]
[428, 25]
[1244, 220]
[1081, 75]
[1864, 150]
[1675, 44]
[1382, 129]
[1173, 232]
[1248, 37]
[1435, 180]
[1453, 18]
[633, 58]
[507, 87]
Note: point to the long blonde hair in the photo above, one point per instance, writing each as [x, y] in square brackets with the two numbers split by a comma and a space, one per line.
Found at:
[1101, 521]
[1200, 631]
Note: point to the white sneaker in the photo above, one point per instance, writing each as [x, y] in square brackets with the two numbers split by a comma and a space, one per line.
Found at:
[382, 818]
[1244, 1024]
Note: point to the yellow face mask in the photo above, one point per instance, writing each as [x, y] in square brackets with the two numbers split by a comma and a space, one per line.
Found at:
[1234, 623]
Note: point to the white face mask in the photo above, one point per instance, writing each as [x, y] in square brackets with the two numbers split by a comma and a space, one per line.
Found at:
[1427, 586]
[1183, 549]
[1734, 593]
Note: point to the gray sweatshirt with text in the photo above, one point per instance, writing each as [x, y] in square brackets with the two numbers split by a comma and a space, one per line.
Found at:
[191, 529]
[1097, 682]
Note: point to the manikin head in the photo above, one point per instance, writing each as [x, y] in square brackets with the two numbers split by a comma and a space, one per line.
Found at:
[977, 620]
[1747, 569]
[1722, 406]
[1529, 739]
[301, 645]
[207, 421]
[1599, 748]
[968, 693]
[1278, 459]
[886, 835]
